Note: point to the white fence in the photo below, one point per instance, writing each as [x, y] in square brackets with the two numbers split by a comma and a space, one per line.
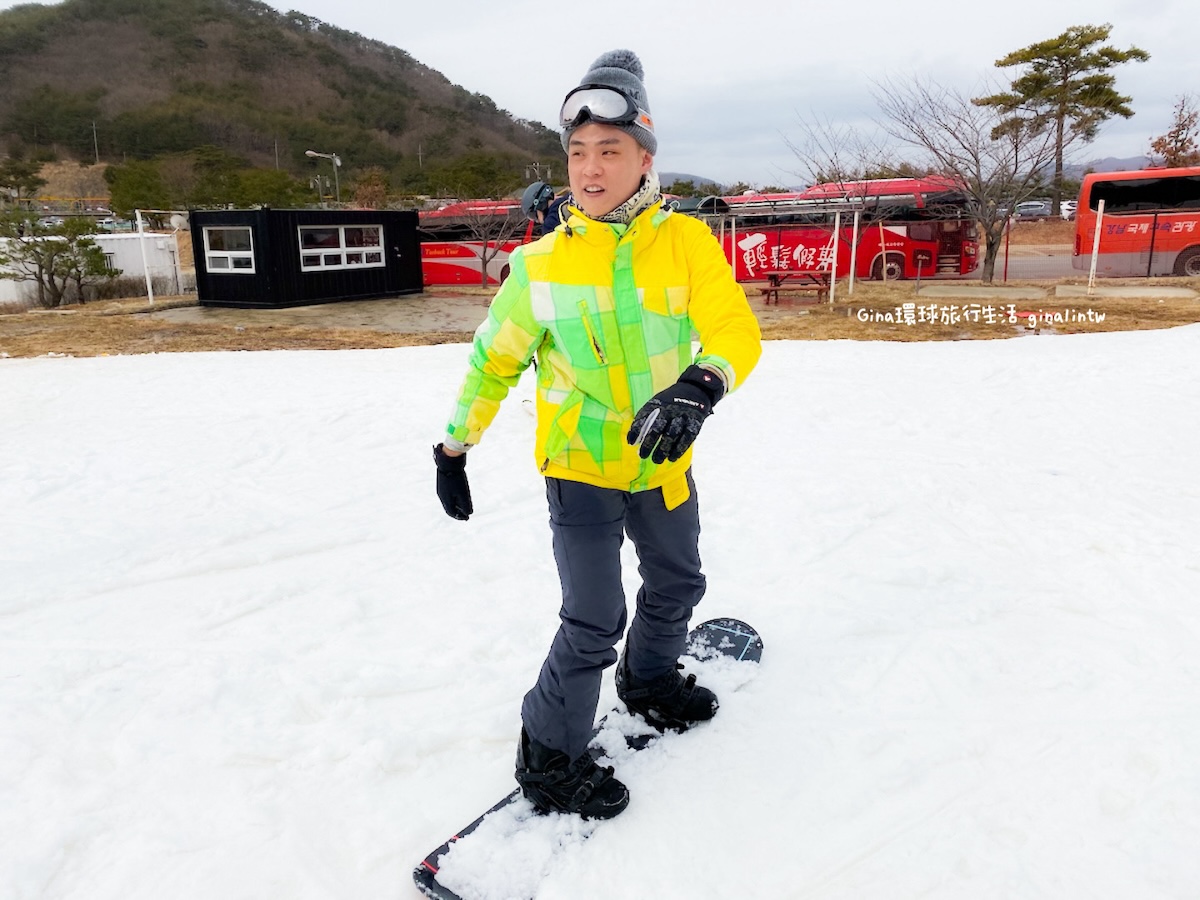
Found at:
[136, 256]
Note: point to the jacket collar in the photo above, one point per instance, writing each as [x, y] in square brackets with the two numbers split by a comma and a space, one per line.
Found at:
[646, 222]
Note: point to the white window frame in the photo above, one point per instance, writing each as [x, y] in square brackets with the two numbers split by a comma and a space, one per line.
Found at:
[226, 262]
[343, 256]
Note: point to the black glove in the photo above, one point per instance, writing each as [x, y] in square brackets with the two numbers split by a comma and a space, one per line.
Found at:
[671, 419]
[452, 487]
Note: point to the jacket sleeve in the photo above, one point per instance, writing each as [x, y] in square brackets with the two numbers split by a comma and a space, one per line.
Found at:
[502, 349]
[730, 339]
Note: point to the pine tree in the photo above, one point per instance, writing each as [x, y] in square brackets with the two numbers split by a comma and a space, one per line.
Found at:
[1066, 83]
[19, 178]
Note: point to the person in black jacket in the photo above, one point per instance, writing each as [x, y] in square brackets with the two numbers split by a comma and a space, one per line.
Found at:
[541, 206]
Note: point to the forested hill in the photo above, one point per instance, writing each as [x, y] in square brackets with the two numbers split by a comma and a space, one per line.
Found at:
[164, 77]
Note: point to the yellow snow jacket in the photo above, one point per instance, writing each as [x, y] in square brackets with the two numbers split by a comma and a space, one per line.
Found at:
[609, 313]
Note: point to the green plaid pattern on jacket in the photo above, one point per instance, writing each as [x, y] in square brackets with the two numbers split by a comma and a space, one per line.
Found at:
[609, 312]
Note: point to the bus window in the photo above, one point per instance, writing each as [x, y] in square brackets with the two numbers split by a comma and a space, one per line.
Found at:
[1136, 195]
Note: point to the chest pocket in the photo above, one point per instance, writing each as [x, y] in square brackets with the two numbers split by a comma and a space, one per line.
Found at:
[665, 317]
[572, 316]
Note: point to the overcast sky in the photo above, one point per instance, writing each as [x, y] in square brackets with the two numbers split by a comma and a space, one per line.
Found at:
[729, 81]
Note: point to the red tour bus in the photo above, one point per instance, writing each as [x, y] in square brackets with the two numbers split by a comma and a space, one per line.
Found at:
[453, 240]
[908, 228]
[1150, 226]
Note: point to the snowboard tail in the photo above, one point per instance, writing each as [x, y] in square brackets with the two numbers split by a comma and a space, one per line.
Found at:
[715, 638]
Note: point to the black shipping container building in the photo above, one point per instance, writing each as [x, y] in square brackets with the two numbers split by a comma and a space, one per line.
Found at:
[272, 258]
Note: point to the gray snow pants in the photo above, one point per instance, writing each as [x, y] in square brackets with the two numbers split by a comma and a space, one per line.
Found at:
[588, 525]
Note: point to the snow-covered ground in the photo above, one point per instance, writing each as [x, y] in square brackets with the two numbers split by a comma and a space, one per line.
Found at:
[244, 654]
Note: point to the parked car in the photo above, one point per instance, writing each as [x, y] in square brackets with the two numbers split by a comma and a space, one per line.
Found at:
[1033, 210]
[1067, 207]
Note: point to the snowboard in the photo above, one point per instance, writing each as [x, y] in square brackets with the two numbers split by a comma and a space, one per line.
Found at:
[709, 640]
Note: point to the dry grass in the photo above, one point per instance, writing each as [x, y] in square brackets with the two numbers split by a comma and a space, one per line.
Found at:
[127, 327]
[804, 320]
[1048, 232]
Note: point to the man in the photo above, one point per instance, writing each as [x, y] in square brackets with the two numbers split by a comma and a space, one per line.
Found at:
[607, 303]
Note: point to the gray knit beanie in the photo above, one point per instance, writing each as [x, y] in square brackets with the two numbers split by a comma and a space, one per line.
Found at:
[622, 69]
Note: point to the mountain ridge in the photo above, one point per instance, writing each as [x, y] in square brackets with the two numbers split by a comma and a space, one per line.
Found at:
[239, 75]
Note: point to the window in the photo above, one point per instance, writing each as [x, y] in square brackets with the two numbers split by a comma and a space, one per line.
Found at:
[1142, 194]
[324, 247]
[229, 250]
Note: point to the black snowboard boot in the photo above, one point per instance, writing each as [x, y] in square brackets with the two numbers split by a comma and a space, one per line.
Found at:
[667, 701]
[554, 783]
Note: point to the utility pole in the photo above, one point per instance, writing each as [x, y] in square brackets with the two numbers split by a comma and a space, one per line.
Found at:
[337, 162]
[535, 171]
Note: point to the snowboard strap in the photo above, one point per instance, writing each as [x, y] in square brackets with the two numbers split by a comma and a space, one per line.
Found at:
[587, 784]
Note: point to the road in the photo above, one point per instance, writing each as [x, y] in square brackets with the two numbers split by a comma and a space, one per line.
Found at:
[1035, 261]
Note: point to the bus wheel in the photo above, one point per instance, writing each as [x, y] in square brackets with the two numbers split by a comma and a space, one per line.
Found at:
[1188, 262]
[894, 269]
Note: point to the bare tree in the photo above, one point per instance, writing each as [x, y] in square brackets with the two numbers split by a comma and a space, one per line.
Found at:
[371, 188]
[1179, 146]
[840, 154]
[999, 162]
[848, 158]
[492, 228]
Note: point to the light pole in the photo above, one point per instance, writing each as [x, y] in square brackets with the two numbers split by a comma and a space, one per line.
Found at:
[337, 161]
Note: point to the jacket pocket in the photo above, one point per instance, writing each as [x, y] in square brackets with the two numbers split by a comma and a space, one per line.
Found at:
[593, 333]
[665, 323]
[563, 427]
[670, 301]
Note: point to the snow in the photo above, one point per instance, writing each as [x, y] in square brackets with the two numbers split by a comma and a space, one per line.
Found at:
[244, 654]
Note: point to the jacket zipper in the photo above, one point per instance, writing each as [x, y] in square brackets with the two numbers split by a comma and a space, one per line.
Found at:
[591, 333]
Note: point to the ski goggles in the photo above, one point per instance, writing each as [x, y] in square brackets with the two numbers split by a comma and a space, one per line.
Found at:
[597, 103]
